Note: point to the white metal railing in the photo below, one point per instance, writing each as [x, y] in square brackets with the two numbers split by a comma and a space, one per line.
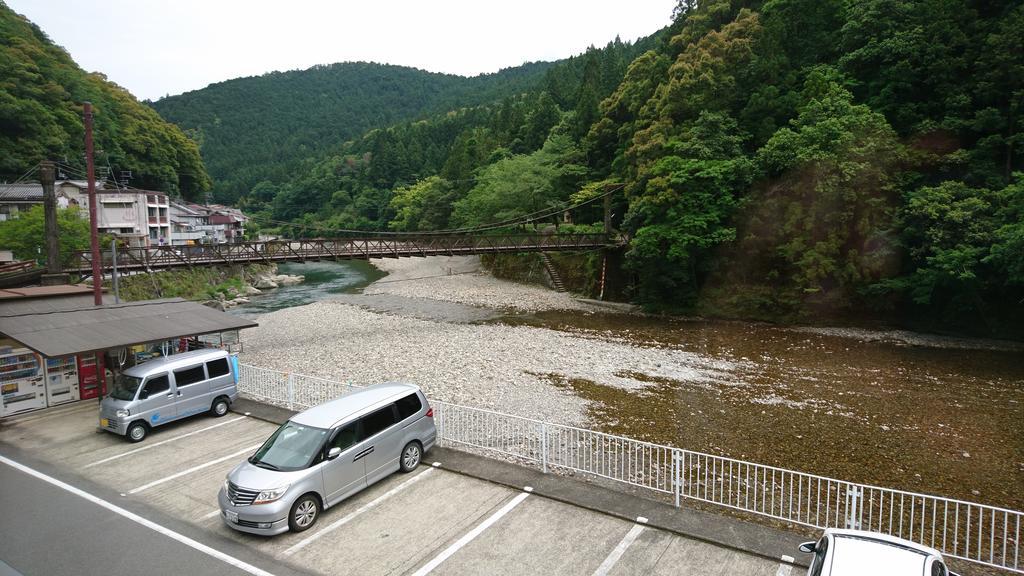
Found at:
[965, 530]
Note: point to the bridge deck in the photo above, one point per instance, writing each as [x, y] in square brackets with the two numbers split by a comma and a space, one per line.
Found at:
[129, 259]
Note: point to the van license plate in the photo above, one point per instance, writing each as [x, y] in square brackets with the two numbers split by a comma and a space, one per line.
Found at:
[232, 516]
[104, 422]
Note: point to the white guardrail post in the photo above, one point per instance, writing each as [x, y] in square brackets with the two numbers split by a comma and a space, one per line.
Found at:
[544, 447]
[677, 475]
[291, 392]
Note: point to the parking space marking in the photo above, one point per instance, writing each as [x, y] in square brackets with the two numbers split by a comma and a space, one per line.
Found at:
[161, 443]
[241, 565]
[345, 520]
[619, 550]
[210, 515]
[786, 568]
[469, 536]
[193, 469]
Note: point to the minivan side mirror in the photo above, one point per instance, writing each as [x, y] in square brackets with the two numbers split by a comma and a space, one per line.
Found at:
[807, 547]
[333, 453]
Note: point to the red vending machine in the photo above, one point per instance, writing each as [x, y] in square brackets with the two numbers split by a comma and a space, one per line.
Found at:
[90, 381]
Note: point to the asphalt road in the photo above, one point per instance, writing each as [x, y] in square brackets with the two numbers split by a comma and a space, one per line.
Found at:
[47, 531]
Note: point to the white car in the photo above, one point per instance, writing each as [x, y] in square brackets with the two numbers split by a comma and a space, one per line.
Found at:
[860, 553]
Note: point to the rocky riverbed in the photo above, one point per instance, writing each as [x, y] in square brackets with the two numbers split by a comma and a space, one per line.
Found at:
[507, 368]
[902, 410]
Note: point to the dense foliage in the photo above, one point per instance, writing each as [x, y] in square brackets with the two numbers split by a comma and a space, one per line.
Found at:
[25, 235]
[779, 159]
[41, 95]
[266, 127]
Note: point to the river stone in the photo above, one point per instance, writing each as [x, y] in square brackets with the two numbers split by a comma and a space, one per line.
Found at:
[265, 283]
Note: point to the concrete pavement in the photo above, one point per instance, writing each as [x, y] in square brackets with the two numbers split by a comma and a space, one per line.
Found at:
[433, 520]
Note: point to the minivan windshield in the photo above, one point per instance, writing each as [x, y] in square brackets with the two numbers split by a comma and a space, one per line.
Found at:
[292, 447]
[125, 387]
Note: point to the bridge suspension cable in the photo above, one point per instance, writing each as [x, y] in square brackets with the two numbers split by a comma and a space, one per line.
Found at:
[519, 220]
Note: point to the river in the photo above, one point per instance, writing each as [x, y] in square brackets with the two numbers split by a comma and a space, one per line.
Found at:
[323, 279]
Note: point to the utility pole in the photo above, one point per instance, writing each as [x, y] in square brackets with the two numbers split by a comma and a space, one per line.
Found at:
[53, 275]
[94, 238]
[97, 275]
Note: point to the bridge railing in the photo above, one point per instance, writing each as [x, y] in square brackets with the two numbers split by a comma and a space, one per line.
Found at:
[334, 249]
[966, 530]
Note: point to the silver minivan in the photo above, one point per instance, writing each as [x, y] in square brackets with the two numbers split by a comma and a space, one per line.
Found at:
[167, 389]
[326, 454]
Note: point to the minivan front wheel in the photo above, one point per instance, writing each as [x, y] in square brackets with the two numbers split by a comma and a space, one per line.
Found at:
[136, 432]
[304, 513]
[411, 456]
[220, 407]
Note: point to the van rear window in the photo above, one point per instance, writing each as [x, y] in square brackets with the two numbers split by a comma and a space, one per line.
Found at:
[217, 367]
[408, 406]
[190, 375]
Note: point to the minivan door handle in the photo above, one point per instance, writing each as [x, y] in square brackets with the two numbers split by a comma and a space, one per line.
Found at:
[170, 395]
[363, 453]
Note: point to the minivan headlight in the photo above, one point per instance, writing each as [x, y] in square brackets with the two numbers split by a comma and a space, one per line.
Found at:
[271, 495]
[123, 413]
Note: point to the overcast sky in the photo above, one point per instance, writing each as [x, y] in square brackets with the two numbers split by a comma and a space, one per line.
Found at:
[164, 47]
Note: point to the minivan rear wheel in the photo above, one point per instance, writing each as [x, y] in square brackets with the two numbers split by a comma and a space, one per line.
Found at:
[220, 407]
[411, 456]
[304, 513]
[136, 432]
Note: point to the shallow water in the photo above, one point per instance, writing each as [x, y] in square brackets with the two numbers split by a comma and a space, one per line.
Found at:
[323, 279]
[941, 421]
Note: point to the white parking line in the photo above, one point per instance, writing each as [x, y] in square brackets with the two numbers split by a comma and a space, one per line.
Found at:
[210, 515]
[619, 550]
[193, 469]
[139, 519]
[342, 521]
[429, 566]
[787, 568]
[161, 443]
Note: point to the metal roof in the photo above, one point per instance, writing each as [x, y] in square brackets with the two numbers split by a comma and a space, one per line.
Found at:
[33, 190]
[60, 290]
[63, 331]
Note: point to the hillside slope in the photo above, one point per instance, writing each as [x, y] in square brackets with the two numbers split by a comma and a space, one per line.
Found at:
[41, 95]
[264, 127]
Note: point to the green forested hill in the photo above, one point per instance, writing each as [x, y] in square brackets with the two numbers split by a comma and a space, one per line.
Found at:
[41, 91]
[264, 127]
[790, 159]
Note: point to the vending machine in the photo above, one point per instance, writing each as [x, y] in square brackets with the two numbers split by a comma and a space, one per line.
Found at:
[61, 380]
[89, 383]
[21, 381]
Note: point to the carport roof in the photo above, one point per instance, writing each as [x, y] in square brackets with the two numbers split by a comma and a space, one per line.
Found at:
[62, 332]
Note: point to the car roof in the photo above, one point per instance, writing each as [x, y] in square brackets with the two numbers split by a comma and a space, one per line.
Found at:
[328, 414]
[174, 361]
[857, 553]
[885, 538]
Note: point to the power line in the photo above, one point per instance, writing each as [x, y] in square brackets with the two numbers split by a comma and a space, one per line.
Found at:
[524, 219]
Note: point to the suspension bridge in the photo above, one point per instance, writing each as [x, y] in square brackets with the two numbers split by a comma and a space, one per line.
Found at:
[164, 257]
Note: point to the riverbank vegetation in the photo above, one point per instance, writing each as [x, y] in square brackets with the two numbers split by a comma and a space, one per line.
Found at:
[200, 283]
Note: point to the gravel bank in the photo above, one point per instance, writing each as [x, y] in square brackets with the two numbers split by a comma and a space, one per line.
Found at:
[488, 366]
[506, 368]
[461, 279]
